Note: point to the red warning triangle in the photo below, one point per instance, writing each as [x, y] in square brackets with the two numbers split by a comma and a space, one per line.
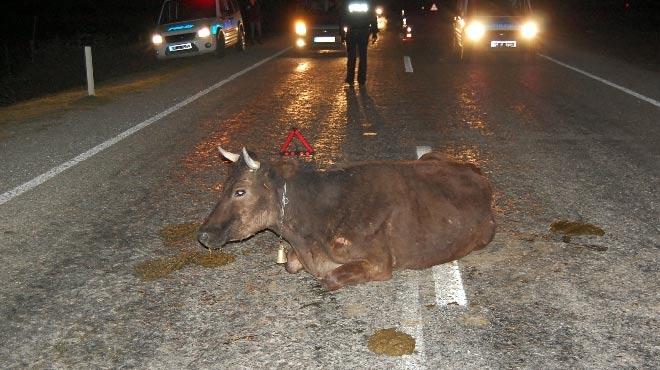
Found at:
[309, 150]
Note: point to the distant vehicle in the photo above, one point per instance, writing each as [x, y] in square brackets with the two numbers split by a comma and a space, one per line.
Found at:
[191, 27]
[316, 25]
[493, 25]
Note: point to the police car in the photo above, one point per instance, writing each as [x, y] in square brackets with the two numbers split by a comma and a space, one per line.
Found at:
[192, 27]
[493, 25]
[316, 25]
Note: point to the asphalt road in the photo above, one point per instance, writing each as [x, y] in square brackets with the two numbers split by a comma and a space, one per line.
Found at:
[557, 145]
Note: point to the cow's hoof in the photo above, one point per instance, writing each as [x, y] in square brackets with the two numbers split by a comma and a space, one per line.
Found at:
[330, 284]
[293, 267]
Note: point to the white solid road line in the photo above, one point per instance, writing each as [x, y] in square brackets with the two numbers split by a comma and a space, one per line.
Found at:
[606, 82]
[9, 195]
[407, 64]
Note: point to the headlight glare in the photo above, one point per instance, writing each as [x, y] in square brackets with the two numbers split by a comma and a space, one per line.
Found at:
[529, 30]
[301, 29]
[157, 39]
[475, 31]
[204, 32]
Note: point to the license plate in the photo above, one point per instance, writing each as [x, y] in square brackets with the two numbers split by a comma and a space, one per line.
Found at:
[324, 39]
[178, 47]
[502, 44]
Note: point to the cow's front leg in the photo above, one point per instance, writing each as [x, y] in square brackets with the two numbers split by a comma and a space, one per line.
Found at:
[293, 264]
[355, 273]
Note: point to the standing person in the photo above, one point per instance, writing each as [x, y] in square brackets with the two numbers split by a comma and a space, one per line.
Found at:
[253, 10]
[359, 18]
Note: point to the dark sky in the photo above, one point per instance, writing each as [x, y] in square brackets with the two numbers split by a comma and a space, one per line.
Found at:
[65, 18]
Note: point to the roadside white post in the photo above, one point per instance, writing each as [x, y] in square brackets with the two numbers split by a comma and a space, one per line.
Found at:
[90, 71]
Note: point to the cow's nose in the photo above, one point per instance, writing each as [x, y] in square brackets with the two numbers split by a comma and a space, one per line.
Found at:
[204, 238]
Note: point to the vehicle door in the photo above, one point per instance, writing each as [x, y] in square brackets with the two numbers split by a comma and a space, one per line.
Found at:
[229, 21]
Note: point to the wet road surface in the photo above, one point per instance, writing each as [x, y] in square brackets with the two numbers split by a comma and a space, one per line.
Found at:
[555, 144]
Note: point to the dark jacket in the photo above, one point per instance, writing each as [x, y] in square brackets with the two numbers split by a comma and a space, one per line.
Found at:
[253, 12]
[356, 18]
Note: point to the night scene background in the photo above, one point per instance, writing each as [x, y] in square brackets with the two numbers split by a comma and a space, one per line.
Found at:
[41, 43]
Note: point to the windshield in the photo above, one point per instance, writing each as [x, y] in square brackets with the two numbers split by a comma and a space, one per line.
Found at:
[186, 10]
[497, 7]
[319, 6]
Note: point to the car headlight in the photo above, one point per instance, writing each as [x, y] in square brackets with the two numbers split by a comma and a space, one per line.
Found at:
[301, 29]
[475, 31]
[529, 29]
[157, 39]
[204, 32]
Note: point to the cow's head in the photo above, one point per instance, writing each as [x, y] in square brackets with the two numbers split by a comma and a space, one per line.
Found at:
[248, 202]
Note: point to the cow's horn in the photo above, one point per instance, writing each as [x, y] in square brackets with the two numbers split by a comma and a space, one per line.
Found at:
[229, 155]
[254, 165]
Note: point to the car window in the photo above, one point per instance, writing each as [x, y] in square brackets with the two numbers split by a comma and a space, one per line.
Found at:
[186, 10]
[497, 7]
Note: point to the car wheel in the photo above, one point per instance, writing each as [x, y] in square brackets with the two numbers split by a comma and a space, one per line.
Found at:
[241, 45]
[220, 45]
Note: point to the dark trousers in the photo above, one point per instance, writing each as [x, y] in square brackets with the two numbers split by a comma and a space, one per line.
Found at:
[255, 25]
[356, 42]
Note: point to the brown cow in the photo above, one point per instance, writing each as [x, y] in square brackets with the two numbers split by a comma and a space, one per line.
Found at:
[358, 222]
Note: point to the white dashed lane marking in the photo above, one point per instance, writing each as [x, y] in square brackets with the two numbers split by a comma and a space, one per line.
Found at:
[448, 285]
[446, 277]
[407, 64]
[606, 82]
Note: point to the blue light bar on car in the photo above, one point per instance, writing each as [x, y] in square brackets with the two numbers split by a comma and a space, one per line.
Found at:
[181, 27]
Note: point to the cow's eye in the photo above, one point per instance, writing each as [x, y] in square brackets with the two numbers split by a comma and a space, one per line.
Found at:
[239, 193]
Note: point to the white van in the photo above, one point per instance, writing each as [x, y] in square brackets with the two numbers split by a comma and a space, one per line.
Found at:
[192, 27]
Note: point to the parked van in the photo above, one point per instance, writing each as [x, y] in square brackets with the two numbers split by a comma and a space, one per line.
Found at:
[192, 27]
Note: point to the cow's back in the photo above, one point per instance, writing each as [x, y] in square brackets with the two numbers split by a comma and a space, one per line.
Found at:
[431, 210]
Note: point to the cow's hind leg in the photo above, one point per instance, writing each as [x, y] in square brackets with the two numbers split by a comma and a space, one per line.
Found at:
[354, 273]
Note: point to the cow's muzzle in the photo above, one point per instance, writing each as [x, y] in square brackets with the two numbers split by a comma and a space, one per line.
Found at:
[209, 239]
[204, 238]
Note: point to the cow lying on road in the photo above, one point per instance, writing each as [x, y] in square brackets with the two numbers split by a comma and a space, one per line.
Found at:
[359, 222]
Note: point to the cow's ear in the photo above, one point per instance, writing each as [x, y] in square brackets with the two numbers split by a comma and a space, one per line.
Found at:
[285, 168]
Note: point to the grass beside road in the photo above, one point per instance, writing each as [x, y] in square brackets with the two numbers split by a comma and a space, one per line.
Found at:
[77, 98]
